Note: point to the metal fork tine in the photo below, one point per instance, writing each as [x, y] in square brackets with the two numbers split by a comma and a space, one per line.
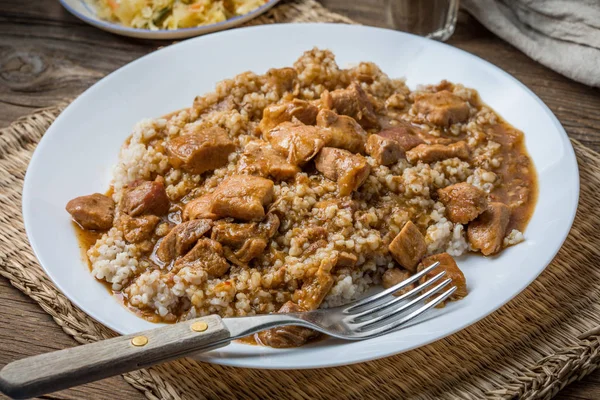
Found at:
[397, 323]
[400, 298]
[404, 307]
[393, 289]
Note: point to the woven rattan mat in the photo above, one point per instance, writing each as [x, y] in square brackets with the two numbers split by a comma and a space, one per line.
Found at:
[530, 348]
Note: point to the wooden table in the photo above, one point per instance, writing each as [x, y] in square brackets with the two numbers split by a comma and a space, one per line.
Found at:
[47, 55]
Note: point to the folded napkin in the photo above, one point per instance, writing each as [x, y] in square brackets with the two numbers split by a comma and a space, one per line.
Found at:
[564, 35]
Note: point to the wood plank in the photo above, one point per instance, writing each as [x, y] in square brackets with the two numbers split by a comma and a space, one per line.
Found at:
[53, 371]
[586, 389]
[26, 330]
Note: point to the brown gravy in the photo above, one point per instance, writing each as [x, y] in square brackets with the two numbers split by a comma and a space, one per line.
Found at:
[519, 188]
[86, 239]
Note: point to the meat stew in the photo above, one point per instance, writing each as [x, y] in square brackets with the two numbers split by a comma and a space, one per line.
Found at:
[290, 190]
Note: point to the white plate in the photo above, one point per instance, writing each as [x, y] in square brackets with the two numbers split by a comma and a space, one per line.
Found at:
[86, 11]
[76, 155]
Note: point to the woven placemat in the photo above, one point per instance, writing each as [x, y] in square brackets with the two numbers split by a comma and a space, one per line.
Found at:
[545, 338]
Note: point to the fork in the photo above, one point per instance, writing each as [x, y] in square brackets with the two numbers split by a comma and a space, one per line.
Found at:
[370, 317]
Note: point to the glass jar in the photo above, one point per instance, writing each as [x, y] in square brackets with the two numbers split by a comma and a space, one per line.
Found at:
[435, 19]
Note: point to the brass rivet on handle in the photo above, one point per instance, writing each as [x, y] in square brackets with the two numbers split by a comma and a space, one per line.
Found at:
[139, 341]
[199, 326]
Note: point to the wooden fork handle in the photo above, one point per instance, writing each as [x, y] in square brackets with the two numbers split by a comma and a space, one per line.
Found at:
[50, 372]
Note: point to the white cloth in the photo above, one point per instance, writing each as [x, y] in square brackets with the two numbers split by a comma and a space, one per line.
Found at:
[564, 35]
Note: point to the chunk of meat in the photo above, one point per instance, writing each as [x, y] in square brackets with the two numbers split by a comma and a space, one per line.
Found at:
[408, 247]
[244, 242]
[394, 276]
[349, 170]
[201, 151]
[199, 208]
[346, 260]
[385, 151]
[464, 202]
[233, 234]
[137, 229]
[243, 197]
[447, 264]
[429, 153]
[341, 131]
[353, 102]
[199, 107]
[251, 249]
[487, 232]
[181, 238]
[359, 74]
[300, 143]
[404, 135]
[442, 108]
[286, 336]
[145, 197]
[409, 135]
[95, 211]
[281, 79]
[276, 114]
[313, 291]
[261, 159]
[206, 255]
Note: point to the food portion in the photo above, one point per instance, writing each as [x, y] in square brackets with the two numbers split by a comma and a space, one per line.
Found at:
[300, 189]
[172, 14]
[93, 212]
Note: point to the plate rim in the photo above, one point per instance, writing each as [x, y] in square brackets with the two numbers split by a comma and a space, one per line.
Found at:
[570, 154]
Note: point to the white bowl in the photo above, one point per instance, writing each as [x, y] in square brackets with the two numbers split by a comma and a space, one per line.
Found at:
[77, 153]
[86, 11]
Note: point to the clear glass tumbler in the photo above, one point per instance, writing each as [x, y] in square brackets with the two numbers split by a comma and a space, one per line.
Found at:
[435, 19]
